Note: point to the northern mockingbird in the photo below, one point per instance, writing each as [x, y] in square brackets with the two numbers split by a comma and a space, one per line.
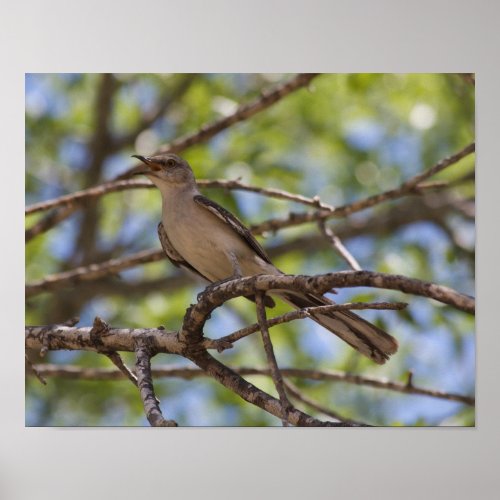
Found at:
[201, 236]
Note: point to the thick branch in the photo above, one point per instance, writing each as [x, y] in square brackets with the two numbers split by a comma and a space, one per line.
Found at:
[197, 314]
[58, 337]
[189, 341]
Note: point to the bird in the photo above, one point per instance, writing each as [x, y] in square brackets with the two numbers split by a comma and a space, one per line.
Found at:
[199, 235]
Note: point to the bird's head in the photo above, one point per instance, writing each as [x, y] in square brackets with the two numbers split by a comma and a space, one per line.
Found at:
[166, 170]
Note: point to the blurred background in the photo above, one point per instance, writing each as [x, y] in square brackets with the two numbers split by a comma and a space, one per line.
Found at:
[343, 138]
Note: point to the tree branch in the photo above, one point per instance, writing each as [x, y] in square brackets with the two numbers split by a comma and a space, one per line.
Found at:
[226, 342]
[338, 246]
[300, 396]
[189, 373]
[432, 208]
[322, 283]
[408, 187]
[252, 394]
[271, 358]
[189, 341]
[167, 100]
[143, 352]
[79, 198]
[245, 111]
[206, 132]
[92, 272]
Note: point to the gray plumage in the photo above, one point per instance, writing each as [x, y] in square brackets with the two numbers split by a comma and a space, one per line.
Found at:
[199, 235]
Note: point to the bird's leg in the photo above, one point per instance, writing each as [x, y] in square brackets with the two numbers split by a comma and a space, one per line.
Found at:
[236, 275]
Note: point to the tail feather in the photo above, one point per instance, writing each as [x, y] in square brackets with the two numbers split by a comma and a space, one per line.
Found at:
[368, 339]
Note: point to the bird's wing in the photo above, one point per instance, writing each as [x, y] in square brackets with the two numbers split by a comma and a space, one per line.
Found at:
[172, 253]
[234, 223]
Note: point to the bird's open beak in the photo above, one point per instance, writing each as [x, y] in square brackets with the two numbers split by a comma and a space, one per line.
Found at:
[139, 170]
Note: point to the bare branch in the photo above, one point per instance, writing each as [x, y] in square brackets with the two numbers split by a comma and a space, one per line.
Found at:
[189, 341]
[271, 358]
[270, 192]
[245, 111]
[48, 222]
[414, 185]
[227, 341]
[116, 359]
[143, 352]
[408, 187]
[28, 364]
[338, 246]
[79, 197]
[92, 272]
[189, 373]
[300, 396]
[322, 283]
[57, 337]
[431, 208]
[166, 101]
[252, 394]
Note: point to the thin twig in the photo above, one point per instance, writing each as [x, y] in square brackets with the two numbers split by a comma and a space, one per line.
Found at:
[99, 330]
[243, 112]
[116, 359]
[48, 222]
[92, 272]
[300, 396]
[167, 100]
[34, 369]
[145, 385]
[189, 373]
[79, 197]
[227, 341]
[338, 246]
[286, 406]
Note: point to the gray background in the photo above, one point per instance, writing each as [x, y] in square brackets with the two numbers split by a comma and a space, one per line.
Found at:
[249, 36]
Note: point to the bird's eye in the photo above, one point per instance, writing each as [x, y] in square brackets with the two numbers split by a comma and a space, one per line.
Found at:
[170, 163]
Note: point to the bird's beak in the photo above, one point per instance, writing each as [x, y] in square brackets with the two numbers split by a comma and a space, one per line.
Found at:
[142, 170]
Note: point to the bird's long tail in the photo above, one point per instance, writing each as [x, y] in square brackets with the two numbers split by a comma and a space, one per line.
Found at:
[366, 338]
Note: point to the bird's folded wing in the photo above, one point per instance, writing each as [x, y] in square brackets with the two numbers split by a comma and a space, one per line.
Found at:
[234, 223]
[172, 253]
